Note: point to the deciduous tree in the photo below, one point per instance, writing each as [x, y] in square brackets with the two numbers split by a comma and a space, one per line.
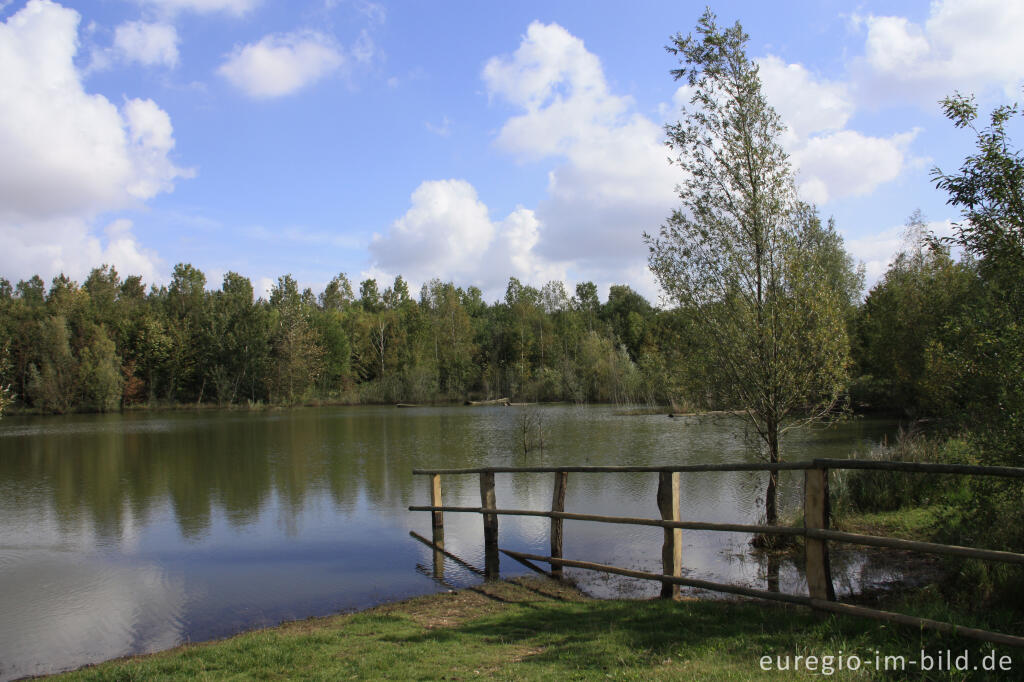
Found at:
[740, 251]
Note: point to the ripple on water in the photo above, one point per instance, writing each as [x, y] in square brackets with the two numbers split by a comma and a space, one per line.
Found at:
[85, 428]
[83, 610]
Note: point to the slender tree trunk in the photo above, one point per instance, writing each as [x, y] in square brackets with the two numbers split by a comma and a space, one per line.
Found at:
[771, 511]
[234, 386]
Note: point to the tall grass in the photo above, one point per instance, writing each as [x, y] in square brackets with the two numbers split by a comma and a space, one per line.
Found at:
[859, 491]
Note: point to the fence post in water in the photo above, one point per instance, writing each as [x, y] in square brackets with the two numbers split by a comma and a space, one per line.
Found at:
[438, 525]
[672, 547]
[557, 505]
[487, 501]
[818, 571]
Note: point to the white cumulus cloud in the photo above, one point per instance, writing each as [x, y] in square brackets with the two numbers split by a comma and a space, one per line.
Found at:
[848, 163]
[807, 104]
[447, 232]
[67, 151]
[611, 181]
[447, 226]
[69, 154]
[831, 160]
[962, 44]
[561, 87]
[149, 44]
[282, 64]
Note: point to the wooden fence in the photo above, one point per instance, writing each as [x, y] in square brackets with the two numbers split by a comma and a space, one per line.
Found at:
[815, 531]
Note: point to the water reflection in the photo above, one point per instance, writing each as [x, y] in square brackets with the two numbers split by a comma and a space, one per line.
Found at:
[82, 608]
[123, 533]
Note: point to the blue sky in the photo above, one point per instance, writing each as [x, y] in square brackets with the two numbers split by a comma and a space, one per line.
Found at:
[470, 141]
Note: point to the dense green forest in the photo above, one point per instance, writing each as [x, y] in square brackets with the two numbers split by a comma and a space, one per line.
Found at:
[108, 343]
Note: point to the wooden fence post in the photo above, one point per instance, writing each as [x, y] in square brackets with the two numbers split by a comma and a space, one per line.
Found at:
[672, 547]
[438, 525]
[487, 501]
[817, 570]
[558, 505]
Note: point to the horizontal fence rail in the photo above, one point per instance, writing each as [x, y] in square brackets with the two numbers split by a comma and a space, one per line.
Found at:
[815, 531]
[689, 468]
[921, 467]
[627, 520]
[800, 531]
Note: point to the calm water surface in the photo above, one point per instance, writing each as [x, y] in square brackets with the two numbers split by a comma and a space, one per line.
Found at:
[133, 533]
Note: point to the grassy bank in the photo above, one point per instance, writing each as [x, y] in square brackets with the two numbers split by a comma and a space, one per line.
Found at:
[534, 629]
[917, 523]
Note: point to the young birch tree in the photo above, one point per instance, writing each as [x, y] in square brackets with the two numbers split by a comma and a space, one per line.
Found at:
[744, 255]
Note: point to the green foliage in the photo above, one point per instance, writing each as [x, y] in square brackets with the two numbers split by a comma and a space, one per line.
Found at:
[296, 355]
[369, 295]
[124, 346]
[6, 395]
[184, 343]
[981, 355]
[902, 320]
[53, 382]
[991, 517]
[627, 313]
[31, 291]
[450, 337]
[99, 372]
[328, 326]
[989, 188]
[103, 286]
[337, 295]
[871, 491]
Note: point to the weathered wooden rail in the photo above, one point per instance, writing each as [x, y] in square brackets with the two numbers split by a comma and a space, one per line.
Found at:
[815, 531]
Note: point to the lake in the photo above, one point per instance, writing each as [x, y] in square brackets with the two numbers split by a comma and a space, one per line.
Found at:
[135, 532]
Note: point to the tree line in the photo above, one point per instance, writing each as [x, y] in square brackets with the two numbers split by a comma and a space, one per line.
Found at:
[109, 343]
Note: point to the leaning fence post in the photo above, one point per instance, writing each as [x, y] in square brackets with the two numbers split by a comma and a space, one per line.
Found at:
[672, 547]
[817, 569]
[438, 525]
[487, 501]
[557, 505]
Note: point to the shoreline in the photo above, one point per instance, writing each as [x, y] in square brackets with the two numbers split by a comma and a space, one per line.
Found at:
[512, 605]
[262, 407]
[621, 409]
[527, 628]
[439, 609]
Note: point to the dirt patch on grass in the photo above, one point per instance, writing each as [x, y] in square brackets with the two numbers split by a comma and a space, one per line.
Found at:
[451, 609]
[523, 654]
